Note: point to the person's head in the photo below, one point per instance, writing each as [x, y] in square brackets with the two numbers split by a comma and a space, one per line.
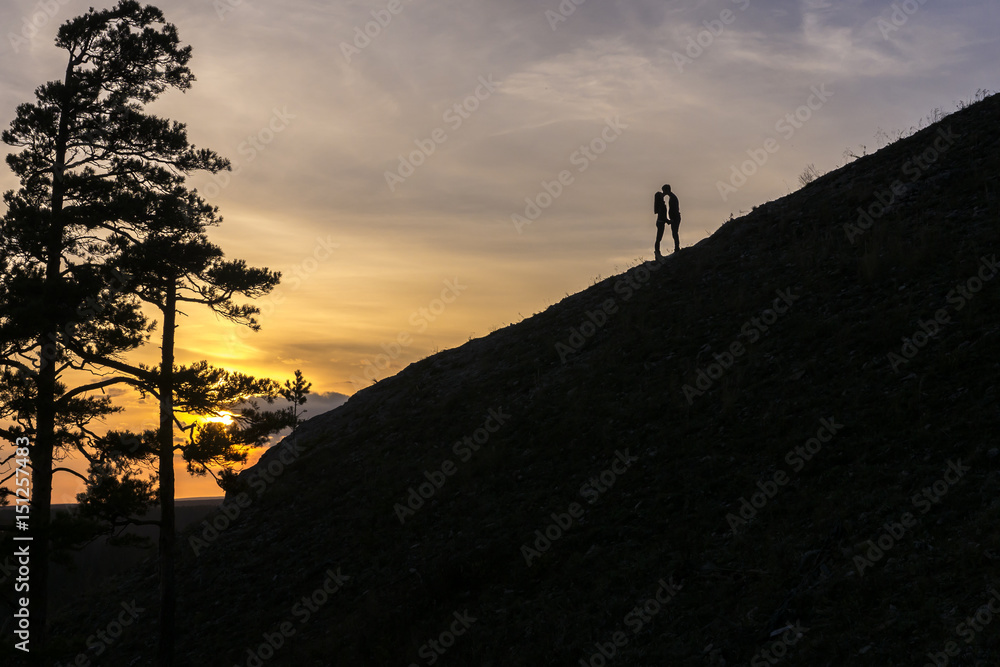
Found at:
[666, 189]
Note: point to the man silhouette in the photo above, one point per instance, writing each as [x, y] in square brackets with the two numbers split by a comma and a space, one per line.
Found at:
[667, 209]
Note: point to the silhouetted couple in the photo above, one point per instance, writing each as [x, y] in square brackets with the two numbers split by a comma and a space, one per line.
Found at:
[667, 210]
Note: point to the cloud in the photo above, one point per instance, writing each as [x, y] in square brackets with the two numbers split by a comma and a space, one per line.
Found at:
[321, 403]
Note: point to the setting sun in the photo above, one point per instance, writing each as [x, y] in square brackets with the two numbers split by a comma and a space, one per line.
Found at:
[224, 417]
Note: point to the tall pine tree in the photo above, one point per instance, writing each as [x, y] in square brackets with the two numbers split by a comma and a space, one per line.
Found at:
[90, 161]
[169, 269]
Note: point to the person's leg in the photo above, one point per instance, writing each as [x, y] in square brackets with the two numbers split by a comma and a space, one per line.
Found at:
[661, 225]
[674, 226]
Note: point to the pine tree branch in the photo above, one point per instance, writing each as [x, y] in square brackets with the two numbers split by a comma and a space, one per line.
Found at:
[95, 386]
[13, 363]
[70, 470]
[101, 360]
[86, 454]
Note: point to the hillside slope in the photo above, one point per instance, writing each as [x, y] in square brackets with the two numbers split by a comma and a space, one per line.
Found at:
[727, 450]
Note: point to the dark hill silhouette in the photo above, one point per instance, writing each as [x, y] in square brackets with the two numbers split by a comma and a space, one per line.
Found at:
[783, 488]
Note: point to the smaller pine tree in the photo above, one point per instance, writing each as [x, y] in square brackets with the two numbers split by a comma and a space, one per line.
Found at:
[295, 393]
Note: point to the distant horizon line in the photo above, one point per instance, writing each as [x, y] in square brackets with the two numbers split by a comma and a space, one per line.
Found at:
[176, 500]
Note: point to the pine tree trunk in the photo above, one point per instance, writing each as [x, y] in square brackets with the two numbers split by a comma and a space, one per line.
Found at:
[45, 426]
[167, 521]
[41, 508]
[41, 462]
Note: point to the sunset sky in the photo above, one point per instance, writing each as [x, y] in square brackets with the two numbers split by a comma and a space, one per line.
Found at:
[380, 170]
